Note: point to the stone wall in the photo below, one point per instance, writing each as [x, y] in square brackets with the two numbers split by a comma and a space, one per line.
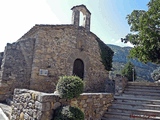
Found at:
[56, 49]
[16, 65]
[29, 104]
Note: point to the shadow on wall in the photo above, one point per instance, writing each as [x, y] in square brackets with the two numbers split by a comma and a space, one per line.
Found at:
[1, 57]
[110, 86]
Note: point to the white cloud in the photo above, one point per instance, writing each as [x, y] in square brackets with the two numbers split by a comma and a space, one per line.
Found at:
[119, 43]
[18, 16]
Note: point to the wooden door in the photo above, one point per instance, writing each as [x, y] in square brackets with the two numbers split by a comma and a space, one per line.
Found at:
[78, 68]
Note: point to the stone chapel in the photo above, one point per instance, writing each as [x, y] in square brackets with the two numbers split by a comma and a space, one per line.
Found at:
[46, 52]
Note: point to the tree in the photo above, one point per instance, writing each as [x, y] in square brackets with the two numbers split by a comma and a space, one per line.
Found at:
[145, 33]
[156, 74]
[128, 70]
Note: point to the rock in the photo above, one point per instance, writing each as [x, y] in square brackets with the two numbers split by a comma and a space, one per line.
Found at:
[7, 110]
[22, 116]
[2, 115]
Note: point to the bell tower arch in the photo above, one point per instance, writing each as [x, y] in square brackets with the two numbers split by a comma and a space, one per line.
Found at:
[76, 16]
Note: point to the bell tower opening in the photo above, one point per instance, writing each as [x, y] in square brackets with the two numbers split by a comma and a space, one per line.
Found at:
[76, 16]
[78, 68]
[81, 19]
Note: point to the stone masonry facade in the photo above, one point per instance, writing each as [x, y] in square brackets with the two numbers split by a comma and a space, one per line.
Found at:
[57, 48]
[33, 105]
[46, 52]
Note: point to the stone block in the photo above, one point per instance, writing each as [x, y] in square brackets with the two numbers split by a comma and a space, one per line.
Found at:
[21, 116]
[39, 115]
[45, 97]
[43, 106]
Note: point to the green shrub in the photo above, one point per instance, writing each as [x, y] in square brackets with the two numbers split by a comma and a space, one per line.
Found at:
[106, 54]
[68, 113]
[69, 87]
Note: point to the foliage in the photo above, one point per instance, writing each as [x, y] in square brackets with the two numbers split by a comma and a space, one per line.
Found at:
[70, 86]
[145, 33]
[127, 71]
[68, 113]
[156, 74]
[106, 55]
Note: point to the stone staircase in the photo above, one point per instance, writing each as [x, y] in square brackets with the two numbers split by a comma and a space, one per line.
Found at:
[139, 101]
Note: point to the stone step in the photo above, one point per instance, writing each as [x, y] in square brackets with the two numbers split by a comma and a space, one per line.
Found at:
[142, 84]
[132, 111]
[142, 90]
[124, 116]
[142, 93]
[113, 118]
[144, 87]
[142, 96]
[139, 103]
[134, 100]
[135, 106]
[120, 116]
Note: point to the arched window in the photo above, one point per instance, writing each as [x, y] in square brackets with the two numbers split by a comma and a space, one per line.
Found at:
[78, 68]
[81, 20]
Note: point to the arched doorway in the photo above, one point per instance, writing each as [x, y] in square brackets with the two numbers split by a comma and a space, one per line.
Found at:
[78, 68]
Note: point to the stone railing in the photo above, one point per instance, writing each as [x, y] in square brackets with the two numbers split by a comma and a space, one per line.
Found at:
[116, 83]
[120, 84]
[29, 104]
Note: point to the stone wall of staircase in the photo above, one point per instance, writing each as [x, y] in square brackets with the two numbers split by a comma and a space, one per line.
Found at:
[29, 104]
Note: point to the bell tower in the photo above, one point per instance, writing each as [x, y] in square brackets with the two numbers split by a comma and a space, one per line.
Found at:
[76, 16]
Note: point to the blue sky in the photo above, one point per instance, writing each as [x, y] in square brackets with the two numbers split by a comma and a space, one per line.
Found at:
[107, 17]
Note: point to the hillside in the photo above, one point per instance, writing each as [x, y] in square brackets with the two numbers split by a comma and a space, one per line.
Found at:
[120, 59]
